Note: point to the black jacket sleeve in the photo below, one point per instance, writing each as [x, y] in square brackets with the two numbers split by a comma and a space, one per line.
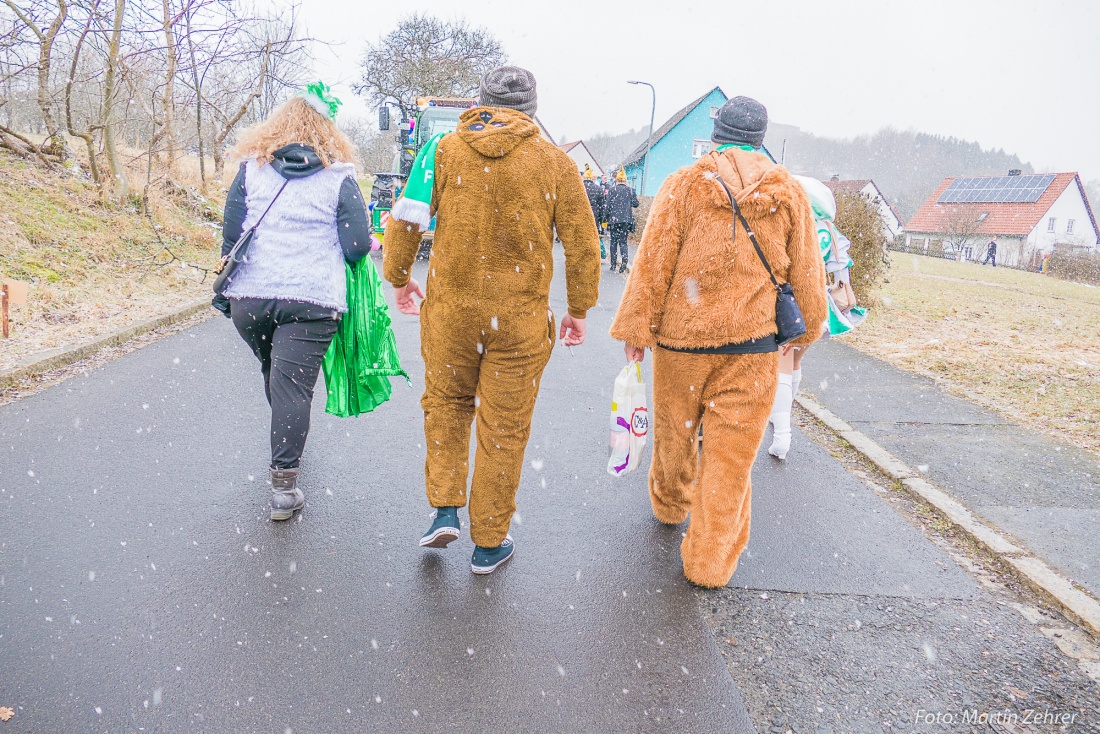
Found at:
[353, 222]
[633, 199]
[236, 209]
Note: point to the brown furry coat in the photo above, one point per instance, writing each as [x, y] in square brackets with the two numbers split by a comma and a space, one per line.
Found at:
[500, 193]
[694, 285]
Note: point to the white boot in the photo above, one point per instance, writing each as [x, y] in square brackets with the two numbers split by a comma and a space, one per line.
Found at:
[781, 417]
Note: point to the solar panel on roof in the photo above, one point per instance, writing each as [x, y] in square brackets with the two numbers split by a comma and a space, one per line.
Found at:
[996, 189]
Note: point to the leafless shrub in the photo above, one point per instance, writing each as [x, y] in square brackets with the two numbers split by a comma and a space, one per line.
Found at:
[859, 219]
[1076, 266]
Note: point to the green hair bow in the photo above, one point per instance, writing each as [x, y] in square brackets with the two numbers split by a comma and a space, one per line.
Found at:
[320, 98]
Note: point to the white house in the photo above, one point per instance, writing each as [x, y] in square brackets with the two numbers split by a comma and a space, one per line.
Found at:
[891, 220]
[544, 132]
[580, 154]
[1029, 215]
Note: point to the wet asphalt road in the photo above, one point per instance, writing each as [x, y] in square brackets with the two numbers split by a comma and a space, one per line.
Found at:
[143, 589]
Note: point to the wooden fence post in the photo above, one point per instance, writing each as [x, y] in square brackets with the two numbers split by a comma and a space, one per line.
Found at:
[4, 308]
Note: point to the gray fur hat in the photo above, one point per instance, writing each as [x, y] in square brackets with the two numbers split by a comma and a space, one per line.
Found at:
[741, 120]
[509, 86]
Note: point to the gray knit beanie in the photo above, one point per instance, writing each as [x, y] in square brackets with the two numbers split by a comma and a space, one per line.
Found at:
[741, 120]
[509, 86]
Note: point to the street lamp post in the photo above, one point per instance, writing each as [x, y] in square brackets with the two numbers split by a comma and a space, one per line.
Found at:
[648, 140]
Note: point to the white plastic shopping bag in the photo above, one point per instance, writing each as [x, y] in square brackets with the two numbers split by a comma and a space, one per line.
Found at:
[629, 421]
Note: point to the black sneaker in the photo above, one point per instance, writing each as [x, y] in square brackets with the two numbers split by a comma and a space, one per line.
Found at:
[487, 560]
[444, 528]
[623, 268]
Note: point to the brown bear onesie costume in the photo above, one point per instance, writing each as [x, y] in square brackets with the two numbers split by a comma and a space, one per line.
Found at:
[486, 330]
[694, 287]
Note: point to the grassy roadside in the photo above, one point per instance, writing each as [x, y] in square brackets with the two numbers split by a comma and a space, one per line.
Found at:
[1023, 344]
[94, 268]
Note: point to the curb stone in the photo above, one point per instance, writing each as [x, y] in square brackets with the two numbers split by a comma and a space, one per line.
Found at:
[1075, 603]
[66, 356]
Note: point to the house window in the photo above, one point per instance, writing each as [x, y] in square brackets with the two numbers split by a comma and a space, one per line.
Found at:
[714, 112]
[1069, 226]
[700, 148]
[982, 216]
[1050, 224]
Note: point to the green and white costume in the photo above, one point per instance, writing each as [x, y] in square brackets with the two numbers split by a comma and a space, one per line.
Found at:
[834, 250]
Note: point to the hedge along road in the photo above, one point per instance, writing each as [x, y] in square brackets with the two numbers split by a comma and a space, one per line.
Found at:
[144, 589]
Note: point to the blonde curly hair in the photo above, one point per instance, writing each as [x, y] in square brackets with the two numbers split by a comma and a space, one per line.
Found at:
[295, 122]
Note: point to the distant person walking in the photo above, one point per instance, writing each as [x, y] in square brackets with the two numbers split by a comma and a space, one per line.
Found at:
[596, 197]
[499, 191]
[286, 298]
[621, 202]
[699, 297]
[991, 253]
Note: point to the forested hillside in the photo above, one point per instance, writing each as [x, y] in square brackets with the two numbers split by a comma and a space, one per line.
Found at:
[906, 165]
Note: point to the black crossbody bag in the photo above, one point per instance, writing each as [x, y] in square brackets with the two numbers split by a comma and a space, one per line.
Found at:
[789, 324]
[237, 255]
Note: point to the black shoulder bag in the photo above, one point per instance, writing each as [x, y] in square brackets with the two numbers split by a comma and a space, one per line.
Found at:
[237, 255]
[789, 324]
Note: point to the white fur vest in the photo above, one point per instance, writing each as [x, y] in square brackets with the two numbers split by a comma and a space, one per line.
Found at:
[296, 255]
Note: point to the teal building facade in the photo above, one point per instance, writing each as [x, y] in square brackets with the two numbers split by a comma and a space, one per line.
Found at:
[679, 142]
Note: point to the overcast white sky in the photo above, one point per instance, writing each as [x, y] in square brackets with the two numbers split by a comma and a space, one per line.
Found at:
[1024, 76]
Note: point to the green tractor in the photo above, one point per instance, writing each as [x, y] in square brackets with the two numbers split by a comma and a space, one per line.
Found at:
[433, 115]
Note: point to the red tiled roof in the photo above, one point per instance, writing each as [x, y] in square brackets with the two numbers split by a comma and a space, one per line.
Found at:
[1003, 218]
[853, 186]
[566, 147]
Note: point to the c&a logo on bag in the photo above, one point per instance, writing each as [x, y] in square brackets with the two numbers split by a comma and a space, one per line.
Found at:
[639, 422]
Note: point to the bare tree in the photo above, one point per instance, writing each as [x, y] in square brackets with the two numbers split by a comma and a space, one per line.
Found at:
[120, 185]
[243, 70]
[961, 226]
[196, 77]
[426, 56]
[46, 36]
[227, 120]
[376, 151]
[123, 75]
[168, 99]
[86, 134]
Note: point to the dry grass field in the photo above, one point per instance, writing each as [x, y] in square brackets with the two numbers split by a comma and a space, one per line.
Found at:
[1023, 344]
[94, 268]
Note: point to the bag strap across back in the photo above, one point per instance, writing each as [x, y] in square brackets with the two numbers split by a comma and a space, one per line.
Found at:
[272, 203]
[723, 163]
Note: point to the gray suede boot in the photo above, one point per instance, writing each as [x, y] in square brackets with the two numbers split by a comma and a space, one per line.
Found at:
[286, 498]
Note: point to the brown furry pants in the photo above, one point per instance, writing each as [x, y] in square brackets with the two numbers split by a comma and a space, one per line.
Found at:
[732, 395]
[488, 369]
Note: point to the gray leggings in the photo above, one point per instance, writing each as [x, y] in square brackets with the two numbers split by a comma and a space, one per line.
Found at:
[290, 339]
